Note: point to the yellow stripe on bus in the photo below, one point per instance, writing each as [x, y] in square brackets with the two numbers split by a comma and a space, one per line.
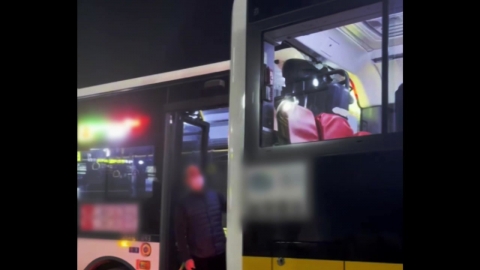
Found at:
[268, 263]
[256, 263]
[372, 266]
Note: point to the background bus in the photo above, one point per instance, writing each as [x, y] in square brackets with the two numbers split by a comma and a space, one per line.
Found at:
[132, 146]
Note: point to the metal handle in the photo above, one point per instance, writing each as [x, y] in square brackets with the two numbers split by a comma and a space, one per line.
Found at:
[280, 261]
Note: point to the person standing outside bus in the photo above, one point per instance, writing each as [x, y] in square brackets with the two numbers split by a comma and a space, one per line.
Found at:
[199, 233]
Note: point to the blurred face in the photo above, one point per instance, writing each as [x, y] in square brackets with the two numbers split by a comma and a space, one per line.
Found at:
[194, 179]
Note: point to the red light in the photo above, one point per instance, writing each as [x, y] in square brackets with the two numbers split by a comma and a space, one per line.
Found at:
[143, 265]
[132, 123]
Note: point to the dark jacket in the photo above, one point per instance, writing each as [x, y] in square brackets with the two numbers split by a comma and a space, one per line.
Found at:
[198, 225]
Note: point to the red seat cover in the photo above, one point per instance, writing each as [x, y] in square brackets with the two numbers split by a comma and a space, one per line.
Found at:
[332, 126]
[362, 133]
[297, 125]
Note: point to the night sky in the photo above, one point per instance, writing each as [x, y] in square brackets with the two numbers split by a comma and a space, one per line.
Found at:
[124, 39]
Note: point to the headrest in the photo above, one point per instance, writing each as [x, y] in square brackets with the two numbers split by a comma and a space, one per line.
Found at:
[297, 70]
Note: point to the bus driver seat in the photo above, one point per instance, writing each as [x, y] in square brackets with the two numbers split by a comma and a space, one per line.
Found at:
[323, 94]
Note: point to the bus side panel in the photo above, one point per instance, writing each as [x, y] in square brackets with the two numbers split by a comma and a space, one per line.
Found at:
[372, 266]
[90, 249]
[257, 263]
[293, 264]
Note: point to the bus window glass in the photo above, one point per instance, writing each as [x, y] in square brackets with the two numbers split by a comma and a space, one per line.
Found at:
[116, 173]
[395, 69]
[217, 161]
[91, 175]
[322, 80]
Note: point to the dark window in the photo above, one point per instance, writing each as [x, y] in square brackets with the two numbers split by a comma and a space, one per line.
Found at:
[118, 180]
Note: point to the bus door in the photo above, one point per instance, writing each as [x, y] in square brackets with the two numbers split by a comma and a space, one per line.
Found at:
[186, 143]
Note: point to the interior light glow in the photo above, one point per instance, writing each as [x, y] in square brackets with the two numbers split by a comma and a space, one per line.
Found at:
[131, 123]
[140, 162]
[112, 130]
[315, 82]
[117, 131]
[288, 105]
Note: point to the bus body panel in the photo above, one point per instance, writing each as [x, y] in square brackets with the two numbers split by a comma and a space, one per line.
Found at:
[132, 84]
[372, 266]
[260, 263]
[88, 250]
[269, 263]
[236, 135]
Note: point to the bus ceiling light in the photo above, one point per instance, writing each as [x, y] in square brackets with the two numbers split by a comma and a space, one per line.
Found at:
[140, 162]
[315, 82]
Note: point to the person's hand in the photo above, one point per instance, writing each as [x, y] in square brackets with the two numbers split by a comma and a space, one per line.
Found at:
[189, 264]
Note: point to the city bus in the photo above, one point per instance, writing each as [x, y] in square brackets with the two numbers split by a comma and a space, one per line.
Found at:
[133, 135]
[302, 130]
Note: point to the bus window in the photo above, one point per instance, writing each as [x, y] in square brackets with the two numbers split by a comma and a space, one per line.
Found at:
[116, 173]
[322, 78]
[217, 164]
[91, 175]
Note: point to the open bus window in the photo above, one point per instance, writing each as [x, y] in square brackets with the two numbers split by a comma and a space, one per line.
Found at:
[323, 78]
[116, 173]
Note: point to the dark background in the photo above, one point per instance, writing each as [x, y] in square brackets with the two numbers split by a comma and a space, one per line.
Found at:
[124, 39]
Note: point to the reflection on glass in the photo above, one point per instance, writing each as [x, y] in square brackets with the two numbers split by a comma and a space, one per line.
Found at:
[324, 85]
[116, 173]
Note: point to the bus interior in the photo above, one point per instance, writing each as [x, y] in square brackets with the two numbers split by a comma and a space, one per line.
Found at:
[325, 78]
